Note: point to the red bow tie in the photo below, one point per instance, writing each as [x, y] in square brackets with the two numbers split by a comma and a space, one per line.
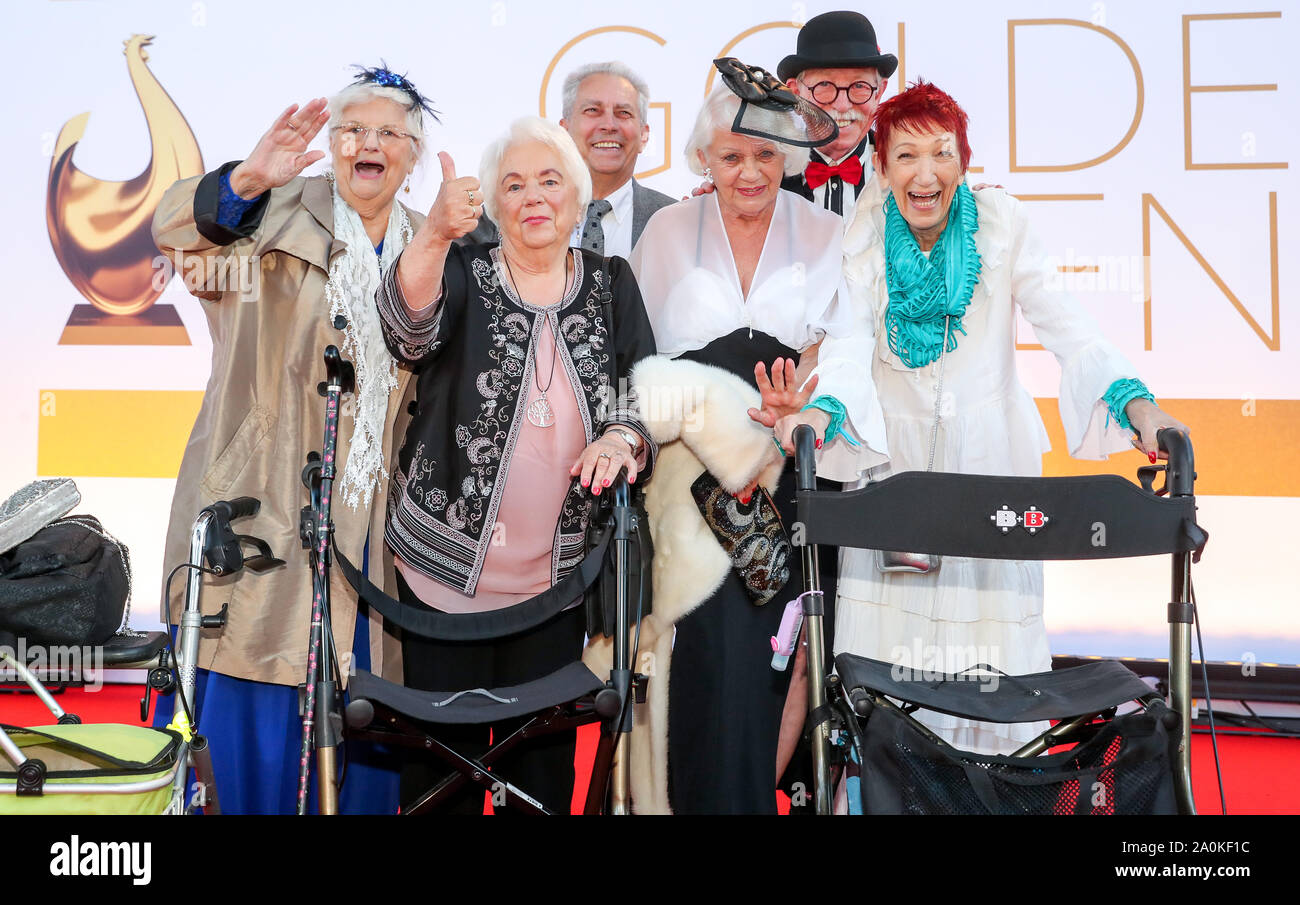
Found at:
[818, 173]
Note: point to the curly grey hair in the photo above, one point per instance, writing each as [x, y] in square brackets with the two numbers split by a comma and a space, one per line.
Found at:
[360, 94]
[532, 128]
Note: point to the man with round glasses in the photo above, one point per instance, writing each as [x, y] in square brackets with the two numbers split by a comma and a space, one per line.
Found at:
[839, 67]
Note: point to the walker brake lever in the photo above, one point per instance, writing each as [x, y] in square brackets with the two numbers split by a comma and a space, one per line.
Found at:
[1147, 477]
[265, 560]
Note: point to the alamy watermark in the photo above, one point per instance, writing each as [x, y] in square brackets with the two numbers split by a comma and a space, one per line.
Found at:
[68, 663]
[237, 273]
[930, 663]
[1078, 274]
[679, 404]
[77, 858]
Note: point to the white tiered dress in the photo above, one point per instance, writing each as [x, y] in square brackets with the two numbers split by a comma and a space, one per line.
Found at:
[970, 611]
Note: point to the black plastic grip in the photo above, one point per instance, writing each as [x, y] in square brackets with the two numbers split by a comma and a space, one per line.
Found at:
[1180, 476]
[240, 507]
[338, 370]
[805, 461]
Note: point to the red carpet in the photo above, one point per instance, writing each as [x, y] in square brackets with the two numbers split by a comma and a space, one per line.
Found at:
[1258, 772]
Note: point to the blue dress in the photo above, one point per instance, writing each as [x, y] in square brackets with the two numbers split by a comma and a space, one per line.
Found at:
[255, 735]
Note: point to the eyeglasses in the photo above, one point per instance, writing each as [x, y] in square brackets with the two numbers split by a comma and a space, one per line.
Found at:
[388, 137]
[829, 92]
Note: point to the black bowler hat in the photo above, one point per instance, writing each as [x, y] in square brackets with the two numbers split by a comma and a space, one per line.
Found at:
[837, 40]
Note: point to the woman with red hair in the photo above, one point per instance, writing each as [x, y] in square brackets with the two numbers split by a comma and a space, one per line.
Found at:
[937, 274]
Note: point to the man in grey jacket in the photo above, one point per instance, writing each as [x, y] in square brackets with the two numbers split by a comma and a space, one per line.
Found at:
[605, 108]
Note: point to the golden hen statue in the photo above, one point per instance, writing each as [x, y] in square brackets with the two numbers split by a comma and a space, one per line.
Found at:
[100, 230]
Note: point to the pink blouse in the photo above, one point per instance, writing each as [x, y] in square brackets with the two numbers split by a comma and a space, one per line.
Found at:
[518, 562]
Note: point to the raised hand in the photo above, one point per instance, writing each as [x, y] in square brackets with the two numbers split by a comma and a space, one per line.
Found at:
[781, 395]
[281, 153]
[459, 204]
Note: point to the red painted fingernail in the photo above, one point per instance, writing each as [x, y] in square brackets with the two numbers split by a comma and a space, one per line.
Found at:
[585, 482]
[745, 500]
[631, 479]
[595, 491]
[1152, 457]
[817, 444]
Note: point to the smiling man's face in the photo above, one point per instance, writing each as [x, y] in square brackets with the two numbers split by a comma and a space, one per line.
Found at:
[606, 125]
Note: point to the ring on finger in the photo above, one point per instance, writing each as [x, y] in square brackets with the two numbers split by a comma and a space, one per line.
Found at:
[470, 192]
[605, 455]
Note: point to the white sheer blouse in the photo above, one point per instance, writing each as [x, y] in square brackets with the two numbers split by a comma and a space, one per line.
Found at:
[691, 289]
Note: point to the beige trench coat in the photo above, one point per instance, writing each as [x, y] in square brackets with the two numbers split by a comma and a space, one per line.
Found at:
[260, 417]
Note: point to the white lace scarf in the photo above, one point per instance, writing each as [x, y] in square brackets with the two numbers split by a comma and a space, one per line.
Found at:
[354, 278]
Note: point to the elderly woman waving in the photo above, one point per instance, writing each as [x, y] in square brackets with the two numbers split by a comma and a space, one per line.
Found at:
[938, 274]
[317, 244]
[519, 349]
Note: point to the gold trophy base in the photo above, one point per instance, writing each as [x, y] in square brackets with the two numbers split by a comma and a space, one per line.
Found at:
[158, 325]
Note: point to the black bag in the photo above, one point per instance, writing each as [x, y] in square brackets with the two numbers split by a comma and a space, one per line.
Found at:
[67, 584]
[750, 533]
[1125, 768]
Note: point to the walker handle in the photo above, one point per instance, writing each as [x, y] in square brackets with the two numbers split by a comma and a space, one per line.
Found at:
[805, 460]
[1180, 476]
[229, 510]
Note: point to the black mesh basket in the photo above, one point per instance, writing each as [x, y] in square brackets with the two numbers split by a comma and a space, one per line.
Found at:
[1125, 768]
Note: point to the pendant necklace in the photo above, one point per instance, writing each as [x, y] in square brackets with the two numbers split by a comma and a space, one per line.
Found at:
[540, 413]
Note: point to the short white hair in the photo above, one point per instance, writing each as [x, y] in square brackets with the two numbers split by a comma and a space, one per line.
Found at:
[569, 96]
[364, 93]
[719, 112]
[533, 128]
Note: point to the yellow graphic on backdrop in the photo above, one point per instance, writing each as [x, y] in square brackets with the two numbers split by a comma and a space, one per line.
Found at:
[100, 230]
[114, 433]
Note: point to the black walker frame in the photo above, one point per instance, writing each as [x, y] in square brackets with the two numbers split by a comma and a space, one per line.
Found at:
[571, 697]
[382, 711]
[1003, 518]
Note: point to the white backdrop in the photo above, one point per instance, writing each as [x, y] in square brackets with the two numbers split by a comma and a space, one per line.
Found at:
[1098, 112]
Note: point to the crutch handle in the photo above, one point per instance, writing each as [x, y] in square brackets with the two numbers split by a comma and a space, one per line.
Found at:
[338, 370]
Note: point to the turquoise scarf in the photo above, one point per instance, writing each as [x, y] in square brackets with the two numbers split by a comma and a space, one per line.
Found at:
[924, 291]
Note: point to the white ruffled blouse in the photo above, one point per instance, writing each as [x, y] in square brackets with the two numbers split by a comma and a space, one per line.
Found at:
[970, 610]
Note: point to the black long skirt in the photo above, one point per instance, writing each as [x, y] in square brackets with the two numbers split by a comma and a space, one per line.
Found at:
[724, 698]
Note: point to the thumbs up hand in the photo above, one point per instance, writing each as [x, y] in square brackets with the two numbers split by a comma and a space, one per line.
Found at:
[459, 204]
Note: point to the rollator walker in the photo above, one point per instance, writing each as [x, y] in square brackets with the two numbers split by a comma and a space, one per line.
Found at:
[75, 768]
[615, 569]
[1130, 748]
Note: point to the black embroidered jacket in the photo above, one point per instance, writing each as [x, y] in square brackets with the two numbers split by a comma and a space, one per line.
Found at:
[472, 359]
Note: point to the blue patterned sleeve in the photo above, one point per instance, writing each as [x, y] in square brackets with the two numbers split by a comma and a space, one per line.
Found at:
[230, 207]
[1120, 394]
